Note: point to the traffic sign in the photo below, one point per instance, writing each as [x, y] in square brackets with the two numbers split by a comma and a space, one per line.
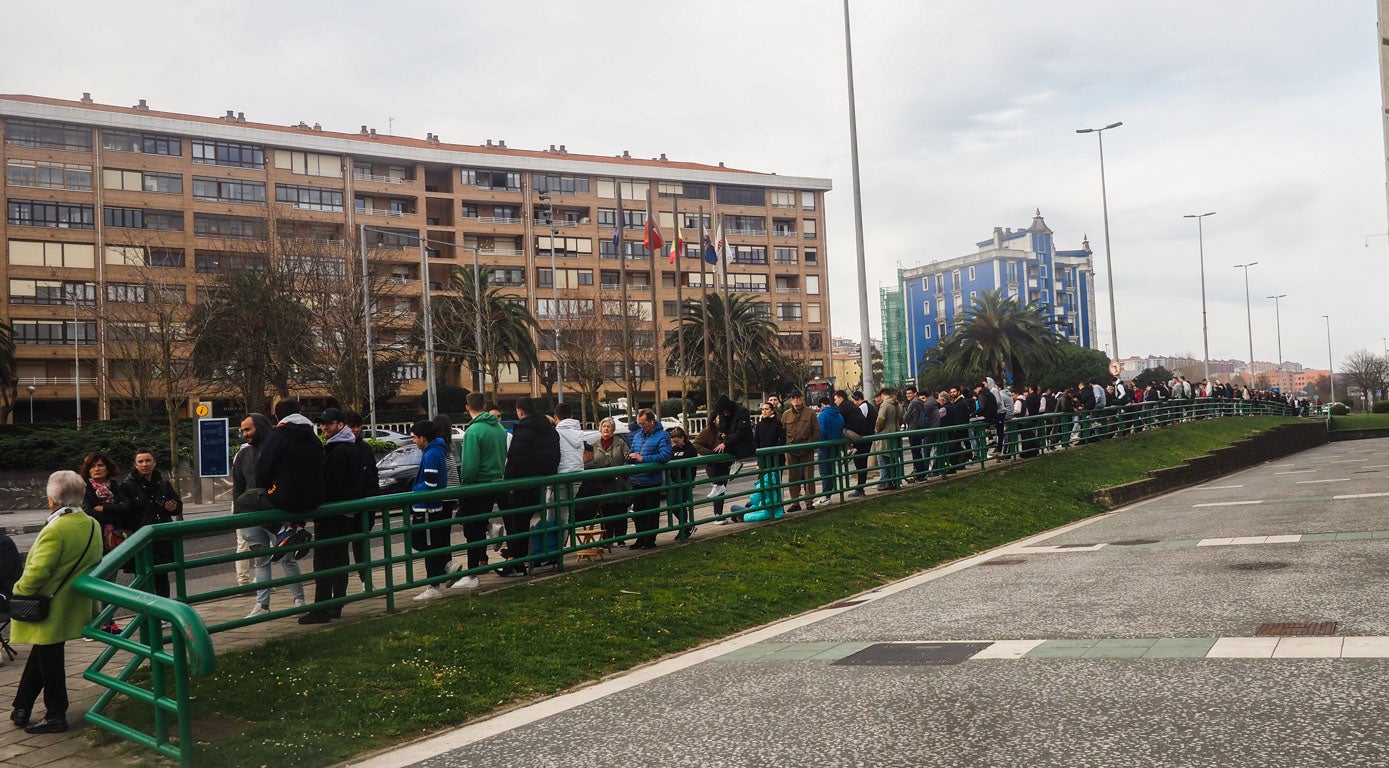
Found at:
[203, 410]
[212, 448]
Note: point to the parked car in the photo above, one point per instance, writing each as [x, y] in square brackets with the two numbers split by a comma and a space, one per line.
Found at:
[623, 427]
[395, 472]
[387, 436]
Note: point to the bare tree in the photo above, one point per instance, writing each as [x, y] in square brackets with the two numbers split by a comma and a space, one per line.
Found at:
[640, 354]
[1366, 370]
[594, 343]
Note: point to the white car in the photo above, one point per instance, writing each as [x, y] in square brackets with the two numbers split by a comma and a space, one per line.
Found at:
[387, 436]
[623, 427]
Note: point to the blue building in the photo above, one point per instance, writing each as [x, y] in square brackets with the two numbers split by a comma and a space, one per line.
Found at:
[1023, 263]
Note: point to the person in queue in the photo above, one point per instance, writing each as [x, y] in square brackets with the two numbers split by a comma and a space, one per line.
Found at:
[153, 500]
[68, 546]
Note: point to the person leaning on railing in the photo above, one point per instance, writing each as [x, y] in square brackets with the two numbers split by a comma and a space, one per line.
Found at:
[68, 546]
[611, 451]
[650, 445]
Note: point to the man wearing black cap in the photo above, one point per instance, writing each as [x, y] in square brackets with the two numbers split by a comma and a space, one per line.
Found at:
[347, 474]
[801, 427]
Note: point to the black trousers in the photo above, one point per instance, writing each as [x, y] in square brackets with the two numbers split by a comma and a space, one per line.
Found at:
[44, 672]
[520, 522]
[861, 461]
[646, 497]
[476, 530]
[361, 551]
[331, 556]
[424, 539]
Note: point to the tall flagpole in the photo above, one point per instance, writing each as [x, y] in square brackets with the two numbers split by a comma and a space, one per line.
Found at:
[727, 314]
[704, 318]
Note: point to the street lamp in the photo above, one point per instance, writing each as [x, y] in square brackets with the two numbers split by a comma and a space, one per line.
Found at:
[1248, 318]
[547, 212]
[865, 349]
[76, 359]
[1205, 332]
[1278, 326]
[1330, 366]
[31, 402]
[1108, 265]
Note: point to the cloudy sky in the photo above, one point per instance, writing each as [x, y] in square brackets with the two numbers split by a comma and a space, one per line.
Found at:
[1265, 111]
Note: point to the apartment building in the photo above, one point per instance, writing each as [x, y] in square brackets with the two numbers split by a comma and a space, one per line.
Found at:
[95, 193]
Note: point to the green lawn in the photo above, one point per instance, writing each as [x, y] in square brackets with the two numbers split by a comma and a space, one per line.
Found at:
[328, 696]
[1360, 421]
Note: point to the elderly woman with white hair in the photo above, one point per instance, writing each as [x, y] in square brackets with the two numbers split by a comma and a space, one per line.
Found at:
[68, 546]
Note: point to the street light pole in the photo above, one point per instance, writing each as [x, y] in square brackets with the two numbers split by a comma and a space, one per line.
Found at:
[431, 387]
[31, 403]
[366, 325]
[1108, 264]
[1248, 318]
[1330, 366]
[1205, 327]
[1278, 325]
[866, 350]
[76, 360]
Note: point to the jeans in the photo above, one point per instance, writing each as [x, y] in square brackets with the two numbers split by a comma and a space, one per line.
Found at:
[920, 454]
[826, 456]
[259, 538]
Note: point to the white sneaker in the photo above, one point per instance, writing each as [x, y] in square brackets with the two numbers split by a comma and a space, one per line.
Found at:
[298, 602]
[467, 582]
[736, 467]
[724, 521]
[258, 610]
[717, 489]
[823, 501]
[429, 593]
[453, 566]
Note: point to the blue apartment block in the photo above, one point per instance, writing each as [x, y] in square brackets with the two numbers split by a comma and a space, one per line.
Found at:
[1023, 263]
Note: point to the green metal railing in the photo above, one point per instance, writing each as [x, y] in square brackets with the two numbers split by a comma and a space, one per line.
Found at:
[173, 642]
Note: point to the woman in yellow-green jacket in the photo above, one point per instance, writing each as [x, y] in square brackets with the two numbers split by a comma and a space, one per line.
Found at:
[68, 546]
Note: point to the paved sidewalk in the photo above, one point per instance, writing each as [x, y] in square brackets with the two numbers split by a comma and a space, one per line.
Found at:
[1242, 622]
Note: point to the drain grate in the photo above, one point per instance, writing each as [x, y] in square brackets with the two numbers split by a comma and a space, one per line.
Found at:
[1260, 565]
[847, 603]
[1004, 561]
[1297, 629]
[1133, 542]
[912, 654]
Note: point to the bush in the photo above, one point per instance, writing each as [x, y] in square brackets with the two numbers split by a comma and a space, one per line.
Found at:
[1339, 409]
[56, 447]
[1380, 406]
[672, 407]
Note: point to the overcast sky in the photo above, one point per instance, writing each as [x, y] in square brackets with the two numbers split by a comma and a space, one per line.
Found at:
[1265, 111]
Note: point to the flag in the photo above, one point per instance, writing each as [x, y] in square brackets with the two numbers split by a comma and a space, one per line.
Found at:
[720, 246]
[706, 245]
[652, 240]
[677, 246]
[617, 222]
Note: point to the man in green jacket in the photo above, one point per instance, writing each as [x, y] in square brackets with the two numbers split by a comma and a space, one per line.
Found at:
[483, 462]
[889, 420]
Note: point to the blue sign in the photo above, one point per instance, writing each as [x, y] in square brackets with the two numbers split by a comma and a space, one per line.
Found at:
[212, 448]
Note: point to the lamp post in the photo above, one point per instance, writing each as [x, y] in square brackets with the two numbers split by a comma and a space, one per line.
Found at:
[1108, 265]
[431, 387]
[1330, 366]
[866, 348]
[1278, 326]
[76, 360]
[1248, 317]
[1205, 327]
[31, 402]
[547, 211]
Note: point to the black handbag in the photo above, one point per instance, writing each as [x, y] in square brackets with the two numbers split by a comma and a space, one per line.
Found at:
[34, 608]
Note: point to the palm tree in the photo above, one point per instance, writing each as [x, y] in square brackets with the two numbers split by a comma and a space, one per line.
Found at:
[1001, 336]
[753, 340]
[508, 327]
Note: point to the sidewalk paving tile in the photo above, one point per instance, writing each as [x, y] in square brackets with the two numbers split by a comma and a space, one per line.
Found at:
[1007, 649]
[1376, 647]
[756, 651]
[1120, 649]
[1243, 648]
[1180, 648]
[1308, 648]
[1287, 539]
[1354, 536]
[1061, 649]
[839, 651]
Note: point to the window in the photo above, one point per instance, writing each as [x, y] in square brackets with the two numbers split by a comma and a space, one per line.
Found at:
[128, 293]
[607, 217]
[807, 200]
[392, 239]
[228, 154]
[790, 340]
[504, 214]
[748, 283]
[33, 173]
[927, 331]
[696, 221]
[681, 189]
[971, 273]
[784, 256]
[33, 213]
[784, 227]
[669, 309]
[469, 211]
[940, 307]
[568, 278]
[634, 251]
[746, 225]
[309, 163]
[783, 198]
[507, 276]
[509, 181]
[631, 190]
[561, 185]
[308, 198]
[51, 292]
[812, 285]
[567, 307]
[148, 143]
[812, 256]
[815, 340]
[749, 254]
[940, 282]
[568, 247]
[228, 190]
[1042, 271]
[54, 332]
[137, 181]
[788, 312]
[955, 281]
[221, 261]
[940, 330]
[36, 133]
[211, 225]
[742, 196]
[812, 312]
[808, 228]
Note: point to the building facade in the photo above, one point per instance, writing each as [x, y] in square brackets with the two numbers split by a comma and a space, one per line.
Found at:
[1024, 264]
[96, 195]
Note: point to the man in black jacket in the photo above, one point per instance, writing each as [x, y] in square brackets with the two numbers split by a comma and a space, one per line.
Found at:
[290, 464]
[856, 421]
[732, 427]
[348, 474]
[534, 452]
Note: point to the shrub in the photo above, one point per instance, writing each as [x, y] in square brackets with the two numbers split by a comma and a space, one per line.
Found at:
[672, 407]
[1339, 409]
[59, 447]
[1380, 406]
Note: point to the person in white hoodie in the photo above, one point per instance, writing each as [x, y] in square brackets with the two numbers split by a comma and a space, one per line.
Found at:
[571, 454]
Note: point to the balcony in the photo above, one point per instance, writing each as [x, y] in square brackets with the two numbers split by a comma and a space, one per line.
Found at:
[748, 232]
[556, 223]
[500, 252]
[499, 220]
[359, 176]
[783, 233]
[55, 381]
[788, 289]
[387, 212]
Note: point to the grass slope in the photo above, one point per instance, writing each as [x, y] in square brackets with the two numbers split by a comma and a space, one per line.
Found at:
[326, 697]
[1360, 421]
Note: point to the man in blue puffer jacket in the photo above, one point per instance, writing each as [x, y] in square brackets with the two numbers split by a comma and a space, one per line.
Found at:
[432, 475]
[650, 444]
[831, 428]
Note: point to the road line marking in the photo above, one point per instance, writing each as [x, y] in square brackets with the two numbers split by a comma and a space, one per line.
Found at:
[1336, 480]
[1227, 503]
[1215, 487]
[1295, 472]
[1360, 496]
[1346, 461]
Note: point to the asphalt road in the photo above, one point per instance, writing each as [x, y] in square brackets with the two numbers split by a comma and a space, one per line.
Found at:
[1127, 640]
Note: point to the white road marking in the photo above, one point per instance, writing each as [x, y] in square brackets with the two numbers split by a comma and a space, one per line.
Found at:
[1295, 472]
[1215, 487]
[1360, 496]
[1227, 503]
[1336, 480]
